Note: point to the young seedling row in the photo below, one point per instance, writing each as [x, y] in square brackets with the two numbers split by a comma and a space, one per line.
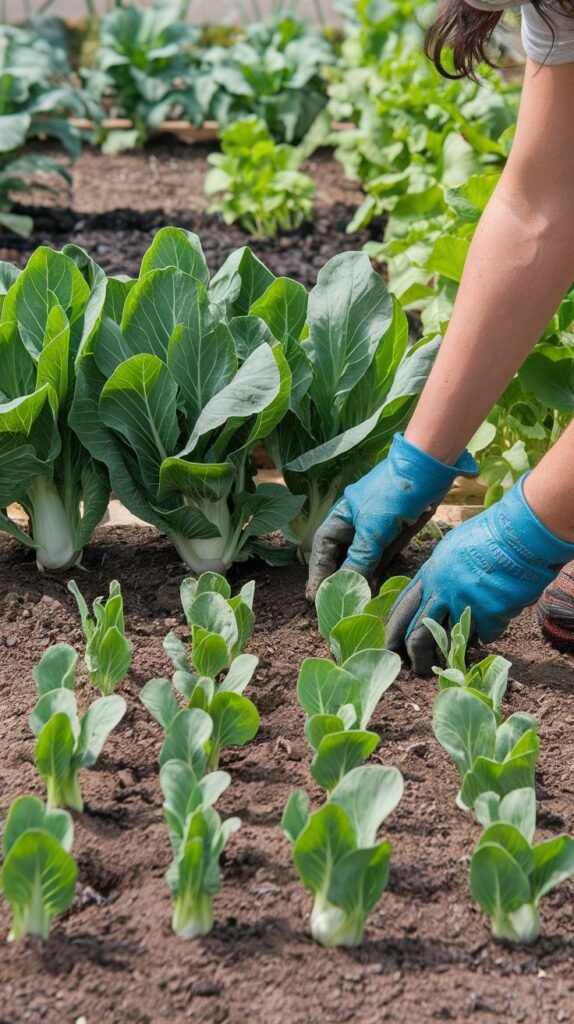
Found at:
[496, 759]
[203, 709]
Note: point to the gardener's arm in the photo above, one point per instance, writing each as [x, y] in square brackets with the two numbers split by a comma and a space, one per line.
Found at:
[519, 266]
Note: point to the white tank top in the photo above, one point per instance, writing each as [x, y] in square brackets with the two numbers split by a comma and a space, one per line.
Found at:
[536, 35]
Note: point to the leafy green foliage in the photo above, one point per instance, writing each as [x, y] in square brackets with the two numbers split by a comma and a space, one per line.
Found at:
[259, 180]
[64, 742]
[275, 73]
[346, 610]
[354, 381]
[212, 676]
[38, 875]
[490, 757]
[337, 853]
[175, 388]
[144, 60]
[487, 679]
[48, 313]
[108, 651]
[509, 876]
[35, 100]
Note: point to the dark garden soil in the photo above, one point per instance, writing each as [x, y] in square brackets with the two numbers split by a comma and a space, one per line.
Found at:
[112, 959]
[119, 202]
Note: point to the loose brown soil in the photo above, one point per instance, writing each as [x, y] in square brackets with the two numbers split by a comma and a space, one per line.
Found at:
[119, 202]
[428, 954]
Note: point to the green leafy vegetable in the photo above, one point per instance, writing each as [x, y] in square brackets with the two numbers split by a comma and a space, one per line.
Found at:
[108, 651]
[260, 182]
[64, 742]
[490, 757]
[487, 679]
[337, 854]
[350, 619]
[48, 313]
[175, 388]
[38, 876]
[509, 876]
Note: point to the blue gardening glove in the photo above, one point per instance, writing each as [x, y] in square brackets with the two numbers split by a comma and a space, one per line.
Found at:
[381, 512]
[497, 563]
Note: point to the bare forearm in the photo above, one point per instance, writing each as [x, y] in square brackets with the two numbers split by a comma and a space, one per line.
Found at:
[519, 266]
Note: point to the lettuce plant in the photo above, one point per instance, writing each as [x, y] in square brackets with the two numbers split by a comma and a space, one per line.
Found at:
[108, 651]
[47, 314]
[257, 181]
[337, 853]
[213, 675]
[64, 742]
[38, 875]
[509, 876]
[354, 381]
[350, 618]
[490, 757]
[175, 387]
[198, 837]
[487, 679]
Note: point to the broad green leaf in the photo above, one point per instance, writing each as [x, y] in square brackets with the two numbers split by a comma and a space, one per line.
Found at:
[212, 613]
[323, 842]
[319, 726]
[56, 668]
[497, 882]
[464, 726]
[60, 701]
[360, 878]
[517, 808]
[296, 814]
[186, 737]
[368, 794]
[356, 633]
[511, 840]
[159, 699]
[283, 307]
[209, 652]
[339, 753]
[175, 247]
[240, 673]
[55, 749]
[235, 721]
[491, 776]
[511, 732]
[553, 863]
[101, 717]
[339, 596]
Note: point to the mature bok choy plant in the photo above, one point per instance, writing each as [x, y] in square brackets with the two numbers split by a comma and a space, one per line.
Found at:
[38, 875]
[175, 387]
[487, 679]
[213, 675]
[198, 837]
[108, 650]
[354, 381]
[64, 742]
[337, 853]
[490, 757]
[508, 874]
[48, 313]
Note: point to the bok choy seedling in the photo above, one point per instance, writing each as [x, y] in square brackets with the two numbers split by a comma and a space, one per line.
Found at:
[509, 876]
[487, 679]
[108, 651]
[38, 876]
[198, 837]
[337, 853]
[350, 618]
[175, 388]
[491, 758]
[214, 673]
[339, 702]
[48, 313]
[64, 742]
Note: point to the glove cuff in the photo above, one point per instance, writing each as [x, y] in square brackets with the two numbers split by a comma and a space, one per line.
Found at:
[432, 477]
[526, 534]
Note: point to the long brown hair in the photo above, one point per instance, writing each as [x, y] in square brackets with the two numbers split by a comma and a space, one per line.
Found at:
[466, 32]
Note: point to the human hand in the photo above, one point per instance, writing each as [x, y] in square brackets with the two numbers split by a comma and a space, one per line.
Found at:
[497, 563]
[381, 512]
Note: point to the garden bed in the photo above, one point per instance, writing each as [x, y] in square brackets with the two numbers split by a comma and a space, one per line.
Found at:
[119, 202]
[428, 954]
